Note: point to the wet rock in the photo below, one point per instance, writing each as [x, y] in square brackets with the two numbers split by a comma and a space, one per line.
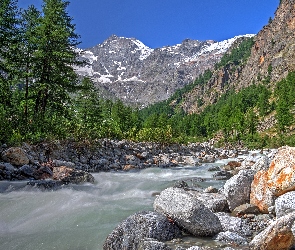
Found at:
[69, 175]
[222, 175]
[285, 204]
[237, 189]
[187, 212]
[28, 171]
[16, 156]
[231, 237]
[46, 184]
[214, 169]
[129, 233]
[278, 235]
[181, 184]
[152, 244]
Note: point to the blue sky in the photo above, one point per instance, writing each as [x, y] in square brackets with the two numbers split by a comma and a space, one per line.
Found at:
[166, 22]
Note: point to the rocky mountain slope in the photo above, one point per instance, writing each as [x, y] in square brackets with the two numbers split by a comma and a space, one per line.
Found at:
[272, 57]
[125, 68]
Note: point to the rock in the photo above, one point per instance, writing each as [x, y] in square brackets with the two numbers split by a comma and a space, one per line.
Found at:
[58, 163]
[245, 209]
[285, 204]
[229, 223]
[237, 189]
[129, 167]
[222, 175]
[278, 235]
[46, 184]
[281, 173]
[187, 212]
[137, 227]
[277, 180]
[16, 156]
[261, 164]
[28, 171]
[234, 164]
[210, 190]
[69, 175]
[152, 244]
[214, 201]
[261, 196]
[214, 169]
[231, 237]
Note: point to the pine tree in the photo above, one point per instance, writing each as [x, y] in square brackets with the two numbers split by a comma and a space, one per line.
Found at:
[9, 42]
[54, 75]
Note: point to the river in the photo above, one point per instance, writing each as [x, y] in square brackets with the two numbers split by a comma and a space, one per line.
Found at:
[79, 217]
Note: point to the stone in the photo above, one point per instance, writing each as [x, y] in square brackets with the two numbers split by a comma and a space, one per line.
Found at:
[261, 196]
[231, 237]
[27, 171]
[222, 175]
[281, 173]
[214, 201]
[261, 164]
[69, 175]
[210, 190]
[237, 189]
[137, 227]
[229, 223]
[278, 235]
[186, 211]
[58, 163]
[285, 204]
[245, 209]
[152, 244]
[16, 156]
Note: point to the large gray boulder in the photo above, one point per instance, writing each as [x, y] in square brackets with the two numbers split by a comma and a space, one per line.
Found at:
[238, 188]
[130, 233]
[285, 204]
[214, 201]
[231, 237]
[187, 212]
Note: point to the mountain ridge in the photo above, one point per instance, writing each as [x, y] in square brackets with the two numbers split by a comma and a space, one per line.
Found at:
[126, 69]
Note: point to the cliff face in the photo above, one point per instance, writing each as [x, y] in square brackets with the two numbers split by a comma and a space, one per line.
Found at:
[275, 46]
[272, 57]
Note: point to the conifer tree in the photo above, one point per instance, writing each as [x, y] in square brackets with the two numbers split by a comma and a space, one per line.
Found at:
[54, 74]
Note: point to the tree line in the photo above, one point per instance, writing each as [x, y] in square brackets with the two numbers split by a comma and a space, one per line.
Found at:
[42, 98]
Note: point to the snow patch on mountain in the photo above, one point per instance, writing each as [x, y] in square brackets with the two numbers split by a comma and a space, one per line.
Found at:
[145, 50]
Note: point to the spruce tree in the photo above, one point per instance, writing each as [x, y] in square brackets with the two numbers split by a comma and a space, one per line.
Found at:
[54, 74]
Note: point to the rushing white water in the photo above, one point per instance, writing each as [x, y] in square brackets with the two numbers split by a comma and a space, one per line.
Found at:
[79, 217]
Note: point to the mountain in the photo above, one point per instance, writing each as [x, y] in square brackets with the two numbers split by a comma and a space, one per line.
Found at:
[270, 60]
[126, 69]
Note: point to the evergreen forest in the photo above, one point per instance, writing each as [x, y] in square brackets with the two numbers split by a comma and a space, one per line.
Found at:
[42, 98]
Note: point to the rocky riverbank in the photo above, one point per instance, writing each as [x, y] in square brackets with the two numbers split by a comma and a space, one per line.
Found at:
[53, 164]
[254, 210]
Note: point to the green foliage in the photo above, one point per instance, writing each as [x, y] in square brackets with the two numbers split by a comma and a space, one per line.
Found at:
[238, 55]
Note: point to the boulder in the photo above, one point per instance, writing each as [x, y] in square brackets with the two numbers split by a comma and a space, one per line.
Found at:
[245, 209]
[281, 173]
[278, 235]
[261, 196]
[261, 164]
[16, 156]
[69, 175]
[183, 208]
[277, 180]
[130, 232]
[237, 189]
[214, 201]
[285, 204]
[231, 237]
[229, 223]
